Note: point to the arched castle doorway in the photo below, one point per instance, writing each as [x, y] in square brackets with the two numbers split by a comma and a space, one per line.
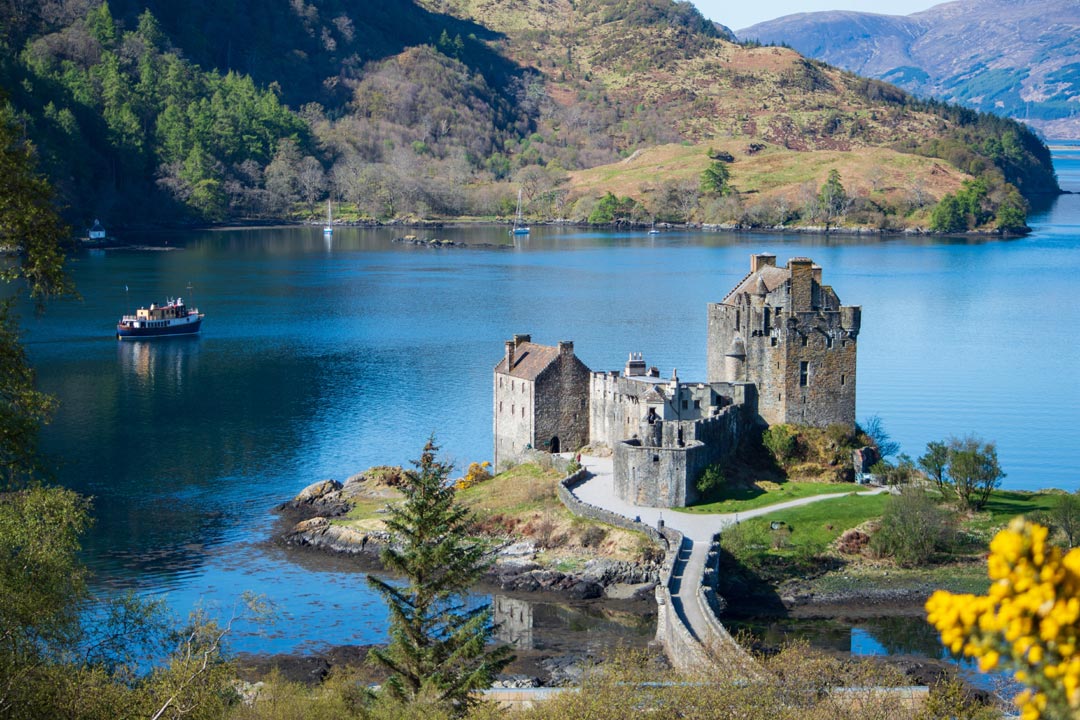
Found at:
[554, 444]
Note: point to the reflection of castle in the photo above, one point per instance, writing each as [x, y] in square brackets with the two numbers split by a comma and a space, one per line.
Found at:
[781, 349]
[513, 621]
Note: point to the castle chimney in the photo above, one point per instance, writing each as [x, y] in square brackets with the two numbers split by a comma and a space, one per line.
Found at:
[635, 365]
[521, 338]
[802, 284]
[509, 355]
[762, 260]
[566, 347]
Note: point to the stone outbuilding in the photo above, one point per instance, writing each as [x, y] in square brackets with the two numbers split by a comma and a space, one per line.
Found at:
[541, 400]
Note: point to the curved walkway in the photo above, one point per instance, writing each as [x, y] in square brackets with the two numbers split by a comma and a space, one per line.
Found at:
[697, 529]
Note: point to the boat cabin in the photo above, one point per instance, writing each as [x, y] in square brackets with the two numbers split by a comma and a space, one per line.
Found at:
[171, 311]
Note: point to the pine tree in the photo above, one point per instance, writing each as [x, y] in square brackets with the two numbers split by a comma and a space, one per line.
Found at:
[437, 652]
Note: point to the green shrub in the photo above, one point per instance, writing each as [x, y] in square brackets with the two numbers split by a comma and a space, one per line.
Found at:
[711, 480]
[781, 441]
[592, 536]
[913, 528]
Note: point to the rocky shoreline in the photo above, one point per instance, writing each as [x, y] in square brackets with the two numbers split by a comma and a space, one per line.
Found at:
[310, 524]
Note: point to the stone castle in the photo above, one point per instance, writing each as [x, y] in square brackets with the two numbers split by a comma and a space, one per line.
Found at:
[781, 349]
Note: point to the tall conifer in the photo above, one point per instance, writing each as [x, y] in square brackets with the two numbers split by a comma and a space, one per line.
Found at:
[437, 652]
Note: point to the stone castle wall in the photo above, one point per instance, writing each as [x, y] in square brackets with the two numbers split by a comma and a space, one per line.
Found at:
[512, 415]
[828, 395]
[562, 404]
[661, 468]
[614, 408]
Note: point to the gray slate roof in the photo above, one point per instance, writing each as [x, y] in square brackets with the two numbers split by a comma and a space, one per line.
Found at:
[773, 277]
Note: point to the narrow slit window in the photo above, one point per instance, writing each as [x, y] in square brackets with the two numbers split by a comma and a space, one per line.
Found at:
[804, 373]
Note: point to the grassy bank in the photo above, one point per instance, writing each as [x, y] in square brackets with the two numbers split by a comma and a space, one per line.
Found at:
[801, 552]
[521, 505]
[740, 498]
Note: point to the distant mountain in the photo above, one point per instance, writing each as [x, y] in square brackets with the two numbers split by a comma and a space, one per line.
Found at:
[1016, 58]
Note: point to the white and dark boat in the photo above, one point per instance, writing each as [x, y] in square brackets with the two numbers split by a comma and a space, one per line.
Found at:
[520, 228]
[172, 318]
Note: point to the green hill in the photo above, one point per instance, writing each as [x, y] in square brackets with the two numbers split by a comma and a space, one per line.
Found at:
[442, 108]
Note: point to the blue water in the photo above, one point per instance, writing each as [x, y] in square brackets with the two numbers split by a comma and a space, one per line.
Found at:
[320, 359]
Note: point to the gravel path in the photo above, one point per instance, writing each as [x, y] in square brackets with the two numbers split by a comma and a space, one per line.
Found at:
[698, 529]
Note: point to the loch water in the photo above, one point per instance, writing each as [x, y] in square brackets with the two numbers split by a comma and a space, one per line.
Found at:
[321, 357]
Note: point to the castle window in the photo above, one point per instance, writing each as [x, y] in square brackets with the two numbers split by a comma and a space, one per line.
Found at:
[656, 458]
[842, 378]
[828, 341]
[738, 316]
[523, 388]
[805, 340]
[772, 341]
[765, 324]
[500, 406]
[511, 409]
[522, 411]
[804, 373]
[685, 404]
[697, 404]
[500, 381]
[511, 384]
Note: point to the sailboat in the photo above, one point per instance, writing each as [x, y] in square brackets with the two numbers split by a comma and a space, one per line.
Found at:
[520, 228]
[328, 228]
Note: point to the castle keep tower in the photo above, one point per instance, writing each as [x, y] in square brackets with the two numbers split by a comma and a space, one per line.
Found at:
[784, 331]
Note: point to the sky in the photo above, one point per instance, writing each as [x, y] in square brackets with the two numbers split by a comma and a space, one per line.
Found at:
[738, 14]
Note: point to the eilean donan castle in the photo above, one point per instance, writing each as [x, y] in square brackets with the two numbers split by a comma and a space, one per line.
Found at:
[781, 349]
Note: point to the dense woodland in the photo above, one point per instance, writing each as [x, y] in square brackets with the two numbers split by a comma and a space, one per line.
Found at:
[145, 111]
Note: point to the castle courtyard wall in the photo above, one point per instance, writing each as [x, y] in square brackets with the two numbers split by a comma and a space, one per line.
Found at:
[659, 472]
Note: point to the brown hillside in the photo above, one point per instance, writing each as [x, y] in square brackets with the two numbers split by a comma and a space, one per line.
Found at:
[655, 83]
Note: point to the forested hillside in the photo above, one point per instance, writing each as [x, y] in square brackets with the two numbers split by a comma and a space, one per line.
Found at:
[153, 111]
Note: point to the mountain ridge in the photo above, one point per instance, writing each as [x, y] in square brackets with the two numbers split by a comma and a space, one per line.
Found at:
[991, 55]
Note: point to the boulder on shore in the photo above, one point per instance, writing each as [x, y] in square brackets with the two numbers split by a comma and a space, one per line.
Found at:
[321, 498]
[319, 532]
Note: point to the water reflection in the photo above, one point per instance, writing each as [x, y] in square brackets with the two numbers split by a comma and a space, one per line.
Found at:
[159, 365]
[560, 628]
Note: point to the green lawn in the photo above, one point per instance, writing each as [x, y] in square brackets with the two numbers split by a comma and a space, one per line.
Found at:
[1004, 505]
[816, 525]
[748, 498]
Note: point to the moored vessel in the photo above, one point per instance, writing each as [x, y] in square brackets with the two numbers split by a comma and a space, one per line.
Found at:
[172, 318]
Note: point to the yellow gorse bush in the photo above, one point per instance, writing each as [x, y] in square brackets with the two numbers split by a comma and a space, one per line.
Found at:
[477, 473]
[1028, 622]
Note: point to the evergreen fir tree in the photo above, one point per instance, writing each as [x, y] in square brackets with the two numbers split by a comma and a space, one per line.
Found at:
[437, 652]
